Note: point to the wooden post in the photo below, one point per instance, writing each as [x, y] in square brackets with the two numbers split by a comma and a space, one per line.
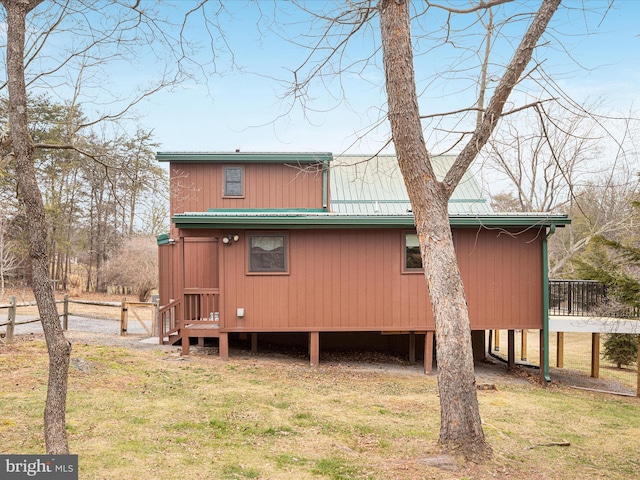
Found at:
[560, 350]
[223, 343]
[412, 347]
[595, 355]
[314, 348]
[65, 313]
[11, 317]
[254, 343]
[124, 317]
[523, 346]
[428, 352]
[154, 320]
[511, 349]
[184, 351]
[497, 342]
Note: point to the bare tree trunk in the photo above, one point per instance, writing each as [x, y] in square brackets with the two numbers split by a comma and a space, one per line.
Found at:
[460, 426]
[30, 195]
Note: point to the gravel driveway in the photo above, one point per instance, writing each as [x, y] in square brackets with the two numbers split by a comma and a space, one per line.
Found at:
[102, 331]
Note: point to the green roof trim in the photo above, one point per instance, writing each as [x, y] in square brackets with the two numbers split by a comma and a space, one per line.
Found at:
[245, 157]
[294, 219]
[268, 210]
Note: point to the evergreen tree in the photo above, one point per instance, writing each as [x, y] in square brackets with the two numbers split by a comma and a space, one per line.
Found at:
[620, 348]
[617, 266]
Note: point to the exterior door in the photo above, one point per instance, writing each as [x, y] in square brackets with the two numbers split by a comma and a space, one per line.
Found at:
[201, 278]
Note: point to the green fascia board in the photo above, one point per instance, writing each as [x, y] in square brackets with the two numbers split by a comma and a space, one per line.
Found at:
[292, 219]
[268, 210]
[245, 157]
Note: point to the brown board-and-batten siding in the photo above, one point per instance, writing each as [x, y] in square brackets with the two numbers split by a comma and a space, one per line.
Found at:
[502, 274]
[196, 187]
[352, 280]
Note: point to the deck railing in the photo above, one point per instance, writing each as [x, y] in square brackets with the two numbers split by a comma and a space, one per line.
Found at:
[584, 298]
[169, 319]
[201, 304]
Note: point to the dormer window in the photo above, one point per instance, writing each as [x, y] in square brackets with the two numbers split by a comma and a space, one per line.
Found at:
[233, 182]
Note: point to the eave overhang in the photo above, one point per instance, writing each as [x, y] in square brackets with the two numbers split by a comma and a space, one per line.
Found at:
[293, 158]
[219, 219]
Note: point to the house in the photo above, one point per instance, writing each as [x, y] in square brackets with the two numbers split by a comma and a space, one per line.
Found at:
[306, 243]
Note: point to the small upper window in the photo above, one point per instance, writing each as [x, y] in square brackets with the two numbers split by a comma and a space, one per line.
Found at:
[233, 182]
[268, 253]
[412, 258]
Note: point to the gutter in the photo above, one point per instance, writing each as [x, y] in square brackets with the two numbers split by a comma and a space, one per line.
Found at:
[545, 306]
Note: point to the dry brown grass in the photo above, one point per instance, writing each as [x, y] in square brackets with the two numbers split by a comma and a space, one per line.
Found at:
[145, 413]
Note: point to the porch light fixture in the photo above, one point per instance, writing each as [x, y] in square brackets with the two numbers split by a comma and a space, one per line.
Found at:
[232, 237]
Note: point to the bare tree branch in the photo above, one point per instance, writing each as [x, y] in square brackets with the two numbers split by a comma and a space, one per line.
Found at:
[481, 5]
[518, 63]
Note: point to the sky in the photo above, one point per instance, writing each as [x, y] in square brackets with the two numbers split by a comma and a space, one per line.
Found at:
[590, 50]
[593, 56]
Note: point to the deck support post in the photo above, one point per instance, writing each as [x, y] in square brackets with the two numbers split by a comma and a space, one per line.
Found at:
[511, 349]
[496, 343]
[185, 345]
[595, 355]
[523, 345]
[412, 347]
[314, 348]
[223, 342]
[254, 343]
[428, 352]
[560, 350]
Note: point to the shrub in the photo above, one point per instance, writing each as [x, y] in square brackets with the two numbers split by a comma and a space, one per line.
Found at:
[621, 348]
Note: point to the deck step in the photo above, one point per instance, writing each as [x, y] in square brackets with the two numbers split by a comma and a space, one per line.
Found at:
[171, 339]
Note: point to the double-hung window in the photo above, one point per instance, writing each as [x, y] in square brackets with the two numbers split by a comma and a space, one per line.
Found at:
[233, 185]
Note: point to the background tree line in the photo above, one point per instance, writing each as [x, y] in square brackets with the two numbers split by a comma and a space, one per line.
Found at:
[99, 204]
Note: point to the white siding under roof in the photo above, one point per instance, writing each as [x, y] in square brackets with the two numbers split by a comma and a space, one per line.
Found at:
[365, 185]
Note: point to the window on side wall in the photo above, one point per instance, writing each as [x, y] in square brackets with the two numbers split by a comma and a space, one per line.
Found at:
[412, 259]
[233, 182]
[268, 253]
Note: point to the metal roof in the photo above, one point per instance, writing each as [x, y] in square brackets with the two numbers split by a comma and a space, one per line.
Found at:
[366, 185]
[366, 192]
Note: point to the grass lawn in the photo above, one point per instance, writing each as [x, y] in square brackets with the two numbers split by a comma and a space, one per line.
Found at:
[148, 414]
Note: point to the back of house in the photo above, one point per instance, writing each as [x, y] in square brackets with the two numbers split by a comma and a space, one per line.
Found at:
[307, 243]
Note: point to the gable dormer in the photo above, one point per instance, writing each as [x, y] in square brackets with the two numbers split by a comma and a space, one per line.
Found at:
[204, 181]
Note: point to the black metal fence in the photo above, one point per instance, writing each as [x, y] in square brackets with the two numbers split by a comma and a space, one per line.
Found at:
[584, 298]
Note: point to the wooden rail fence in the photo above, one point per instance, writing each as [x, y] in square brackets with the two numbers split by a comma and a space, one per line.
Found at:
[124, 306]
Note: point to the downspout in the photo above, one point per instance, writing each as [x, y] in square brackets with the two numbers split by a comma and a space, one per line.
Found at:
[545, 306]
[325, 184]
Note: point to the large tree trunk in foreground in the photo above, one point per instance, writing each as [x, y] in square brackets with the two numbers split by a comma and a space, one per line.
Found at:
[59, 348]
[461, 426]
